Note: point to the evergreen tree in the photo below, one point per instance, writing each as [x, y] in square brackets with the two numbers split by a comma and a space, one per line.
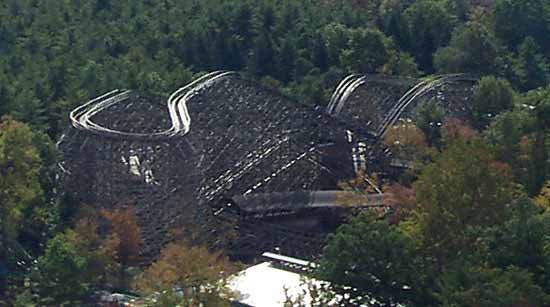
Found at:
[515, 20]
[428, 26]
[287, 61]
[222, 54]
[262, 59]
[531, 67]
[242, 24]
[473, 48]
[319, 52]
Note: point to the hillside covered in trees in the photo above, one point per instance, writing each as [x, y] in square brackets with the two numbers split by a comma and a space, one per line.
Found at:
[468, 223]
[58, 53]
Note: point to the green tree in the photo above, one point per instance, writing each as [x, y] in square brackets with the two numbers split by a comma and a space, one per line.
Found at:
[429, 118]
[262, 60]
[58, 276]
[491, 97]
[287, 61]
[242, 23]
[506, 132]
[390, 15]
[467, 285]
[529, 18]
[311, 89]
[461, 193]
[19, 182]
[428, 25]
[522, 241]
[41, 218]
[303, 68]
[540, 149]
[336, 36]
[268, 18]
[473, 48]
[200, 274]
[320, 57]
[460, 9]
[375, 258]
[400, 64]
[531, 67]
[5, 104]
[367, 51]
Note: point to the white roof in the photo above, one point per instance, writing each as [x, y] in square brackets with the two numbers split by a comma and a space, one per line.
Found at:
[263, 285]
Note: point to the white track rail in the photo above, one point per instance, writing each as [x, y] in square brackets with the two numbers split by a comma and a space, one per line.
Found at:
[349, 84]
[81, 117]
[337, 95]
[414, 93]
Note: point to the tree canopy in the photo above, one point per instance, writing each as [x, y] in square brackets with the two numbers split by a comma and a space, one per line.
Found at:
[467, 225]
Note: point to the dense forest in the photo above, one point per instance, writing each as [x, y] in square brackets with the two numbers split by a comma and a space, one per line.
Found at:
[470, 221]
[58, 53]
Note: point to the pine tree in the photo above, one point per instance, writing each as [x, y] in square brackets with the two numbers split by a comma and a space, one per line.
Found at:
[320, 53]
[287, 61]
[531, 67]
[262, 59]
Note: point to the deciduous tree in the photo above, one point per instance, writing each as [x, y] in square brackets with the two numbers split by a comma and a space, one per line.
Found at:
[367, 51]
[199, 275]
[58, 277]
[374, 257]
[467, 285]
[19, 183]
[491, 97]
[125, 238]
[461, 193]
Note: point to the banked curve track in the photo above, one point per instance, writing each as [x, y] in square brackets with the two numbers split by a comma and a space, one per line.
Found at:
[351, 83]
[416, 92]
[191, 161]
[82, 117]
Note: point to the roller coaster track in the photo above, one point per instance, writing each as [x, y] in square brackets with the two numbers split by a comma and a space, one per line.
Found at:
[276, 153]
[349, 84]
[414, 93]
[81, 117]
[337, 97]
[232, 175]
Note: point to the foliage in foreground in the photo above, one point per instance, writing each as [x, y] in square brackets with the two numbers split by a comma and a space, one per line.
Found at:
[187, 276]
[470, 237]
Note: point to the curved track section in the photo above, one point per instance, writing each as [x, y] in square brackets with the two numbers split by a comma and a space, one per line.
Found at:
[414, 94]
[336, 98]
[352, 83]
[81, 117]
[221, 136]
